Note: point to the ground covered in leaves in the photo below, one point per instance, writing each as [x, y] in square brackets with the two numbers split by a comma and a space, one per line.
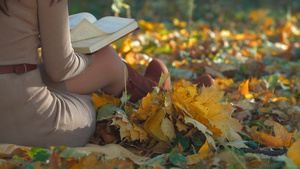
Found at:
[249, 119]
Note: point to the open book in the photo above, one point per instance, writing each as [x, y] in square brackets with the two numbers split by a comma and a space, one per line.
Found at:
[89, 34]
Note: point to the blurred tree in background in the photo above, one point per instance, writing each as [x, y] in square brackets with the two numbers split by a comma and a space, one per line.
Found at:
[202, 10]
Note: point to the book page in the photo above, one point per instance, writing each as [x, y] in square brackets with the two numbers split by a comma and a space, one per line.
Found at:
[93, 44]
[77, 18]
[85, 30]
[110, 24]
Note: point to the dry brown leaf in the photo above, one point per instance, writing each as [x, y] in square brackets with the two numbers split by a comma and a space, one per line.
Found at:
[9, 150]
[128, 130]
[168, 129]
[181, 126]
[162, 147]
[194, 159]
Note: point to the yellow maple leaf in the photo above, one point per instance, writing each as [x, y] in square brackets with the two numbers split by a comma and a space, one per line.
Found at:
[183, 94]
[153, 124]
[294, 151]
[210, 94]
[228, 126]
[145, 108]
[205, 107]
[282, 136]
[104, 99]
[150, 103]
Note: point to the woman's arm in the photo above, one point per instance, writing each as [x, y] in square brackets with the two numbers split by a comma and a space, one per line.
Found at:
[60, 60]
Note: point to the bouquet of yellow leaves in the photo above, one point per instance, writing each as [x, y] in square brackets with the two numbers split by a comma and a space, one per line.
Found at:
[162, 115]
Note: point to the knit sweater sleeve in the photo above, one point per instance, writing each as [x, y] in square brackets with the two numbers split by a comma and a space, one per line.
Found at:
[59, 58]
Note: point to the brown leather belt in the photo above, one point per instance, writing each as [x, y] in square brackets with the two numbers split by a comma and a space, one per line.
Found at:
[18, 69]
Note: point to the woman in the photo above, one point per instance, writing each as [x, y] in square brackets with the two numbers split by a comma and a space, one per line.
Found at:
[50, 104]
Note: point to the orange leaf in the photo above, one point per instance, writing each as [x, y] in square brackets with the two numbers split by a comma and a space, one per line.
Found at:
[282, 136]
[244, 87]
[275, 99]
[87, 162]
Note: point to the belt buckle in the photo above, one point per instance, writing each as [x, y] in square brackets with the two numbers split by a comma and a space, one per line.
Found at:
[20, 69]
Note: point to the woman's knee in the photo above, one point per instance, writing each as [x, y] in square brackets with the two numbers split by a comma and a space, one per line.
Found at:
[109, 60]
[106, 54]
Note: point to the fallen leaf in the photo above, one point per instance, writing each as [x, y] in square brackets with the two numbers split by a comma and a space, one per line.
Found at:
[282, 136]
[55, 161]
[194, 158]
[181, 126]
[153, 124]
[205, 150]
[167, 128]
[113, 151]
[244, 88]
[9, 150]
[116, 163]
[104, 99]
[128, 129]
[294, 152]
[88, 162]
[145, 109]
[201, 128]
